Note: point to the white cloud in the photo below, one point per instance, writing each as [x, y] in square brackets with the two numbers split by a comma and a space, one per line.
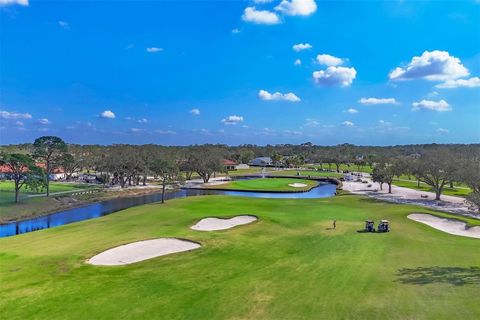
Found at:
[335, 76]
[351, 111]
[11, 2]
[292, 133]
[297, 7]
[251, 14]
[143, 120]
[442, 131]
[19, 123]
[195, 111]
[440, 106]
[384, 123]
[236, 31]
[262, 1]
[433, 66]
[328, 60]
[301, 46]
[297, 62]
[154, 49]
[277, 96]
[368, 101]
[348, 124]
[309, 122]
[63, 24]
[43, 121]
[14, 115]
[165, 132]
[232, 120]
[136, 130]
[107, 114]
[459, 83]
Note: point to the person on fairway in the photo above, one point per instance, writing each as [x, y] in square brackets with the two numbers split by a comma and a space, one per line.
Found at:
[334, 224]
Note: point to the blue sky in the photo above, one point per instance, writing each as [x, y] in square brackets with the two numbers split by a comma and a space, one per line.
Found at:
[234, 72]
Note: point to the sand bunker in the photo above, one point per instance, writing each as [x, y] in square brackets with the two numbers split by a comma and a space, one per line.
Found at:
[141, 250]
[297, 185]
[213, 224]
[451, 226]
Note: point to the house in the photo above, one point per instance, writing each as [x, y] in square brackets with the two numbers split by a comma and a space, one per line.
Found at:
[261, 161]
[242, 166]
[56, 174]
[229, 165]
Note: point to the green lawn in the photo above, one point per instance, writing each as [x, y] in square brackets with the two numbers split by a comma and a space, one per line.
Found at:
[343, 167]
[459, 191]
[305, 173]
[288, 265]
[268, 184]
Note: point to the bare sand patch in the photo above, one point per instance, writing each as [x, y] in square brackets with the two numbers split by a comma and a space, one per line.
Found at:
[214, 224]
[451, 226]
[141, 250]
[297, 185]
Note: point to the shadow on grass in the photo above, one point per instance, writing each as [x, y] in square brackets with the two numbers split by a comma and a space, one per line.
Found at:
[456, 276]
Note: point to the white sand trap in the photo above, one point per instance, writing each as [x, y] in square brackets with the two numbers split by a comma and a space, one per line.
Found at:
[213, 224]
[141, 250]
[298, 185]
[451, 226]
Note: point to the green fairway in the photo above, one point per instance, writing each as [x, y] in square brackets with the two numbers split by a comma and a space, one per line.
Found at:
[288, 265]
[305, 173]
[268, 184]
[457, 191]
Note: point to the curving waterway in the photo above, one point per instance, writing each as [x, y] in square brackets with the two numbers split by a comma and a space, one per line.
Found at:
[103, 208]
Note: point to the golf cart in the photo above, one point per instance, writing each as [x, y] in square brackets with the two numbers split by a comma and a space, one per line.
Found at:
[369, 226]
[383, 226]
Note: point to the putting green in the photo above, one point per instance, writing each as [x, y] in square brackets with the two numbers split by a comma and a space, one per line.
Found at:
[268, 184]
[288, 265]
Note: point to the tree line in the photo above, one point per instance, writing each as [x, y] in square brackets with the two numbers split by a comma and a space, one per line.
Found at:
[125, 165]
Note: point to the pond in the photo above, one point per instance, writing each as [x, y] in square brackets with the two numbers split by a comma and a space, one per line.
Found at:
[100, 209]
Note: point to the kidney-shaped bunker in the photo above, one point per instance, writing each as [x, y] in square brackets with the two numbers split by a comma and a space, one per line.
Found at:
[142, 250]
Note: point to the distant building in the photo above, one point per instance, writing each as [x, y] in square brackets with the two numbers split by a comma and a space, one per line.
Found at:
[56, 174]
[229, 165]
[261, 161]
[242, 166]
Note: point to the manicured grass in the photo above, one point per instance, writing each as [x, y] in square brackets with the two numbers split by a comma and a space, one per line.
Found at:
[268, 184]
[461, 192]
[305, 173]
[288, 265]
[343, 167]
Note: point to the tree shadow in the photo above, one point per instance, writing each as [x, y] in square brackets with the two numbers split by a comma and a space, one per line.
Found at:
[457, 276]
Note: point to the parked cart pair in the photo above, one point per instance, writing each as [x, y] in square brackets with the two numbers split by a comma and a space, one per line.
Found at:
[383, 226]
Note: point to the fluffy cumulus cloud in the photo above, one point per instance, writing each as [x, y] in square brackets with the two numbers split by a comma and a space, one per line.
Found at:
[251, 14]
[236, 31]
[301, 46]
[11, 2]
[154, 49]
[277, 96]
[297, 7]
[442, 131]
[309, 122]
[460, 83]
[232, 120]
[431, 65]
[351, 111]
[370, 101]
[440, 106]
[335, 76]
[107, 114]
[348, 123]
[43, 121]
[329, 60]
[195, 111]
[297, 62]
[14, 115]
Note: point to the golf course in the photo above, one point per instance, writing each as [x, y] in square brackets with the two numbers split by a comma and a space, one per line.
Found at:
[289, 264]
[270, 185]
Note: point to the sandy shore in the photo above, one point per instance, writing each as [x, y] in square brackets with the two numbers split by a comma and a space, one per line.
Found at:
[450, 204]
[451, 226]
[141, 250]
[213, 224]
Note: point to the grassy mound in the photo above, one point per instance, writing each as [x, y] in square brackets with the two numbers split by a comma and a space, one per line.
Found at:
[288, 265]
